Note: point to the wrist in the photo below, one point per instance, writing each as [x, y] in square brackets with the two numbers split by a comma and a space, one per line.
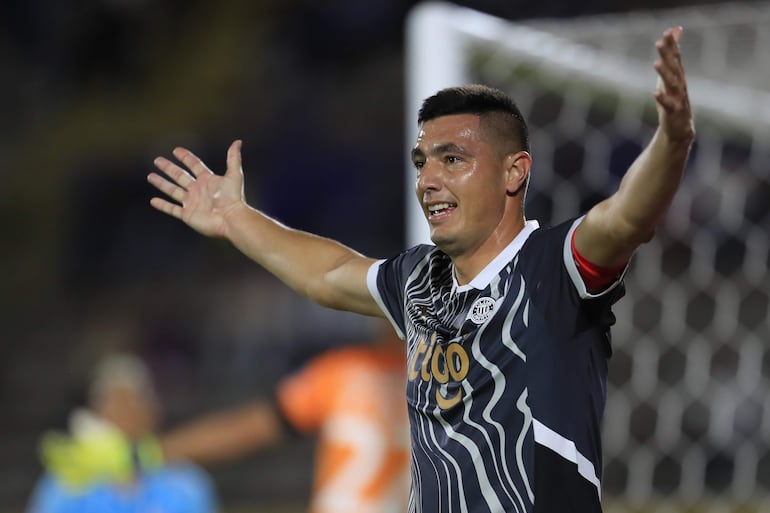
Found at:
[680, 138]
[233, 217]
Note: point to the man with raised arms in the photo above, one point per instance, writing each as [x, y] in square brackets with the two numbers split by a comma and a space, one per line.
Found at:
[506, 323]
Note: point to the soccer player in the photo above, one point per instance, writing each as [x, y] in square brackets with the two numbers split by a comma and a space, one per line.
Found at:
[352, 398]
[506, 323]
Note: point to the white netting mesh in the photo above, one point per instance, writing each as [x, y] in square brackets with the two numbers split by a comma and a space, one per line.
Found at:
[688, 413]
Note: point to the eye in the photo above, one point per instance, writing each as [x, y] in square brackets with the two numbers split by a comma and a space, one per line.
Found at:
[418, 164]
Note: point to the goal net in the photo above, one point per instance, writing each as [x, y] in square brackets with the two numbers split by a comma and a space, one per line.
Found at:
[687, 424]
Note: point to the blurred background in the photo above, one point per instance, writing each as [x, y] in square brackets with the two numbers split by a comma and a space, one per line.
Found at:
[93, 90]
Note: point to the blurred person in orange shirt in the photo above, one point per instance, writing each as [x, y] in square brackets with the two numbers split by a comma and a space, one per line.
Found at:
[352, 399]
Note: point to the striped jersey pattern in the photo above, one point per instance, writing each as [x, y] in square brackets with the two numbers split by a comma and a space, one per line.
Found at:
[506, 376]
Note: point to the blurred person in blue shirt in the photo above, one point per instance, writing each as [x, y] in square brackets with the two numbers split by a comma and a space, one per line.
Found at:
[110, 461]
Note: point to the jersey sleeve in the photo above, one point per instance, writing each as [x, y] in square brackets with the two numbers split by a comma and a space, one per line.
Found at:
[559, 288]
[387, 279]
[577, 277]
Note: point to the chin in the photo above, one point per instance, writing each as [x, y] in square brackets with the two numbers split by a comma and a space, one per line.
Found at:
[446, 244]
[437, 238]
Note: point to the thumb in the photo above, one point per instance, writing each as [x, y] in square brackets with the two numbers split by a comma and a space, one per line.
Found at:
[234, 158]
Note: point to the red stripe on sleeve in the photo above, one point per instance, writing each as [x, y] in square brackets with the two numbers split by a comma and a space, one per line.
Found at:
[595, 277]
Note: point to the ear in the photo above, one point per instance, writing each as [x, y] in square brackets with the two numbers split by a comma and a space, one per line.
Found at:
[517, 167]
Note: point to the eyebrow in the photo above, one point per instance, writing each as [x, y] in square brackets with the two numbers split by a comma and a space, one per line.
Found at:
[448, 147]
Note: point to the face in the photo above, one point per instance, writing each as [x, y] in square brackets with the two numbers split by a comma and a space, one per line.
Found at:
[132, 409]
[462, 183]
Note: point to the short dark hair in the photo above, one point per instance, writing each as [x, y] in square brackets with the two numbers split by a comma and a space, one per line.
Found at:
[481, 100]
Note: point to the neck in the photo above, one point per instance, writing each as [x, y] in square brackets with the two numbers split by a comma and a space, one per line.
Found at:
[469, 264]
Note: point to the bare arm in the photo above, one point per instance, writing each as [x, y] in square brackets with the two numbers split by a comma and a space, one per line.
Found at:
[614, 228]
[224, 436]
[324, 270]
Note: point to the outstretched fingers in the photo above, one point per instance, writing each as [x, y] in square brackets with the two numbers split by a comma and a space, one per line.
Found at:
[671, 93]
[672, 88]
[191, 161]
[167, 207]
[193, 193]
[171, 189]
[176, 189]
[179, 175]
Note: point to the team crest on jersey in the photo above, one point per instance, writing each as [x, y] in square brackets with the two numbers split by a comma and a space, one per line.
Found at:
[481, 310]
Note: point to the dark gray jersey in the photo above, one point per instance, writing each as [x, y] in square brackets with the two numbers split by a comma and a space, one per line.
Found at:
[507, 376]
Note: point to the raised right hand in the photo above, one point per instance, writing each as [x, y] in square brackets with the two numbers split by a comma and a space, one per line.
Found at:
[202, 199]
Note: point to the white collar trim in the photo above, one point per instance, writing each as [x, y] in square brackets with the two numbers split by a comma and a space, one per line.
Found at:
[492, 269]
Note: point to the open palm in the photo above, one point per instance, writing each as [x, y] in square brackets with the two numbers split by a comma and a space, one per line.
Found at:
[674, 112]
[201, 199]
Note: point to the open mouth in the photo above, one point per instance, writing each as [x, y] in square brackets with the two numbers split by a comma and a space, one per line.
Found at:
[440, 209]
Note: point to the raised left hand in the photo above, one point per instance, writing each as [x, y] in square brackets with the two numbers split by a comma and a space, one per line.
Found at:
[673, 103]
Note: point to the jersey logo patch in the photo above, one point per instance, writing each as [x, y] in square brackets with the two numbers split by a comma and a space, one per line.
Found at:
[481, 310]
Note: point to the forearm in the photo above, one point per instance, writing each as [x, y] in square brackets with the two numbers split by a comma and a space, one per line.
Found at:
[614, 228]
[649, 186]
[224, 436]
[321, 269]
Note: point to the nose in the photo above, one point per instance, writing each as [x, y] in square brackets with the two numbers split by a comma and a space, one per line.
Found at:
[429, 178]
